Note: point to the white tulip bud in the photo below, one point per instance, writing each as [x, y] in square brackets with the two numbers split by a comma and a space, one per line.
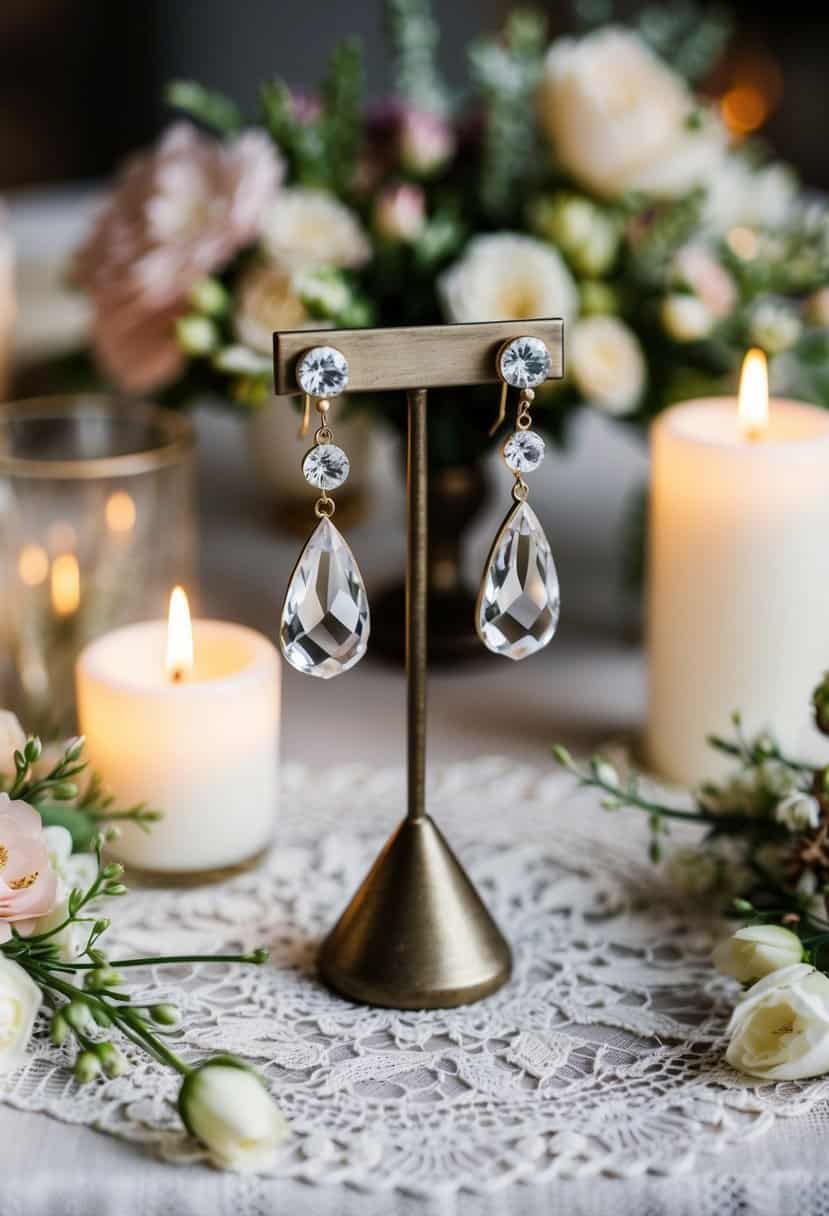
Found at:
[756, 951]
[798, 811]
[227, 1107]
[780, 1029]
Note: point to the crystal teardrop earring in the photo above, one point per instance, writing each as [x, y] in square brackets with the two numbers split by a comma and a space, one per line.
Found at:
[325, 615]
[518, 602]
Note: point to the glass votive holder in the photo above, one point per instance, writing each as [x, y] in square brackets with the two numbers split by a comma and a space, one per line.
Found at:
[96, 526]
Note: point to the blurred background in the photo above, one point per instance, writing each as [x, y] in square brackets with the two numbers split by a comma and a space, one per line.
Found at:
[60, 58]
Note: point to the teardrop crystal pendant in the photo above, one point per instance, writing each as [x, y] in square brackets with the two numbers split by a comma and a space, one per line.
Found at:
[325, 617]
[518, 604]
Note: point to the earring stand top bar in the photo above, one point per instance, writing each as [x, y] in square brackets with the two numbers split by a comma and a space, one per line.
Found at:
[423, 356]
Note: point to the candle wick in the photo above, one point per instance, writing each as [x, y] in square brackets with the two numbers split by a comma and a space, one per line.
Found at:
[178, 675]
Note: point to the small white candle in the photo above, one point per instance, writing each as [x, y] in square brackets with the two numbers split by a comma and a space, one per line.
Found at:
[188, 723]
[738, 602]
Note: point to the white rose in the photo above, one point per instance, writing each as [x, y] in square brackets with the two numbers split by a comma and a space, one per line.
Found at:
[227, 1107]
[607, 363]
[12, 739]
[740, 195]
[780, 1029]
[620, 119]
[798, 812]
[507, 277]
[313, 228]
[685, 318]
[20, 1000]
[756, 951]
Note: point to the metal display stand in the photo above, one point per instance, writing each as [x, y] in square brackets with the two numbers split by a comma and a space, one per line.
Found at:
[416, 935]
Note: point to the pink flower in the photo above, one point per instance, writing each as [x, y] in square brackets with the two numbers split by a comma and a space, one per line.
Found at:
[699, 270]
[400, 212]
[28, 884]
[179, 211]
[426, 141]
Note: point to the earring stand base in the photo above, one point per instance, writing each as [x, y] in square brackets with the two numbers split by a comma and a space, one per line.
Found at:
[416, 935]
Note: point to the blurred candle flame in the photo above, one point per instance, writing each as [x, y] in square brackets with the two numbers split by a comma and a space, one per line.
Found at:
[179, 636]
[120, 512]
[33, 565]
[753, 404]
[65, 584]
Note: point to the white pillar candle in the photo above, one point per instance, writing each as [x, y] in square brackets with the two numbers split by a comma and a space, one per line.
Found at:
[738, 603]
[200, 745]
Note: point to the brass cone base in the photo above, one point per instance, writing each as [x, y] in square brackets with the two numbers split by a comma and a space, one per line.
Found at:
[416, 935]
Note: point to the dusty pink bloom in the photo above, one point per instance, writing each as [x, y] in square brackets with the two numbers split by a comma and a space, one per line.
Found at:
[400, 212]
[426, 141]
[707, 279]
[28, 884]
[178, 212]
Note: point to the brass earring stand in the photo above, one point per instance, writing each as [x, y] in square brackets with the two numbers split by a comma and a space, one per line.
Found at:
[416, 935]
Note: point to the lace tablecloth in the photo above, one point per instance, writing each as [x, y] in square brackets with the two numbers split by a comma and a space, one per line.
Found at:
[602, 1057]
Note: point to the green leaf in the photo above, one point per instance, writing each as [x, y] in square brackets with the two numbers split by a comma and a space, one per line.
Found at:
[214, 110]
[81, 827]
[342, 100]
[413, 36]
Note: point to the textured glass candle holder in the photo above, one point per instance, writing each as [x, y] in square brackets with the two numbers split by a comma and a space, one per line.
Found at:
[96, 526]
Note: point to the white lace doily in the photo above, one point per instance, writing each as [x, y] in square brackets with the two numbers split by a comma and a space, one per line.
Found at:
[603, 1054]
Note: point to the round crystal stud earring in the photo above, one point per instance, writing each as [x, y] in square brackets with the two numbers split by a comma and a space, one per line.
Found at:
[325, 615]
[518, 601]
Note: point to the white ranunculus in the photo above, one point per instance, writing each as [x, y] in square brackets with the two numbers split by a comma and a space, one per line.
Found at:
[507, 277]
[798, 811]
[313, 228]
[19, 1002]
[756, 951]
[685, 318]
[739, 195]
[227, 1107]
[780, 1029]
[12, 739]
[620, 119]
[607, 363]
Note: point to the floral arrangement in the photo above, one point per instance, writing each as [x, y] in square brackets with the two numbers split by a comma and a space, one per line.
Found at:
[765, 849]
[586, 178]
[52, 961]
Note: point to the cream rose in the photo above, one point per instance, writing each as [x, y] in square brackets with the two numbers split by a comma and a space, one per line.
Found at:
[756, 951]
[607, 364]
[267, 300]
[739, 194]
[312, 228]
[780, 1029]
[620, 119]
[227, 1107]
[506, 277]
[19, 1002]
[12, 739]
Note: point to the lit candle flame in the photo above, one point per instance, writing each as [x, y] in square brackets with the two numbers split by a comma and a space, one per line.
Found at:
[179, 637]
[753, 407]
[65, 584]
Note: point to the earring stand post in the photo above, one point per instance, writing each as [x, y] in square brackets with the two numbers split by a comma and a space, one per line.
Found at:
[416, 601]
[416, 934]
